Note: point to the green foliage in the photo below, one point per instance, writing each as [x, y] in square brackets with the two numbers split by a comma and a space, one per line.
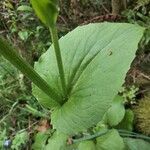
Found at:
[10, 54]
[97, 51]
[11, 87]
[35, 112]
[57, 142]
[24, 35]
[3, 137]
[116, 112]
[136, 144]
[20, 140]
[94, 72]
[111, 140]
[140, 15]
[13, 97]
[46, 10]
[143, 2]
[129, 94]
[90, 70]
[127, 122]
[24, 8]
[20, 18]
[40, 141]
[87, 145]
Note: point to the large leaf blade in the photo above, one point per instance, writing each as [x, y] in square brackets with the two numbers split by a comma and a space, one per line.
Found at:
[96, 58]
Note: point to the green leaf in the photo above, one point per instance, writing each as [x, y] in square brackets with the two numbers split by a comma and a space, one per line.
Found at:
[116, 112]
[87, 145]
[46, 10]
[96, 58]
[127, 122]
[136, 144]
[110, 141]
[40, 141]
[23, 35]
[25, 8]
[57, 142]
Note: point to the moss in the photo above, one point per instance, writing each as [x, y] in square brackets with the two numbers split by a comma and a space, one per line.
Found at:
[142, 116]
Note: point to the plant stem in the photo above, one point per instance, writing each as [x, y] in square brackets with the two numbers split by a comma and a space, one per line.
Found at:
[11, 55]
[54, 36]
[133, 134]
[90, 137]
[122, 133]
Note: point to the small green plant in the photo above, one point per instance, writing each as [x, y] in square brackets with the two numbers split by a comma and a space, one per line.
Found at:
[129, 94]
[20, 140]
[79, 76]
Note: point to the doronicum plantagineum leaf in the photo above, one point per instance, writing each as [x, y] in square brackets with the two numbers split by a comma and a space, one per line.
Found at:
[96, 58]
[116, 112]
[110, 141]
[58, 141]
[46, 10]
[87, 145]
[136, 144]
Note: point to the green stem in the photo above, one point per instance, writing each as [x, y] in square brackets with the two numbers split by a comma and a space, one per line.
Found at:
[123, 133]
[133, 134]
[90, 137]
[11, 55]
[54, 37]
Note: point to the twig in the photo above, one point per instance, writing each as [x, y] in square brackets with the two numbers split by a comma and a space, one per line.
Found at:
[145, 76]
[105, 8]
[62, 18]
